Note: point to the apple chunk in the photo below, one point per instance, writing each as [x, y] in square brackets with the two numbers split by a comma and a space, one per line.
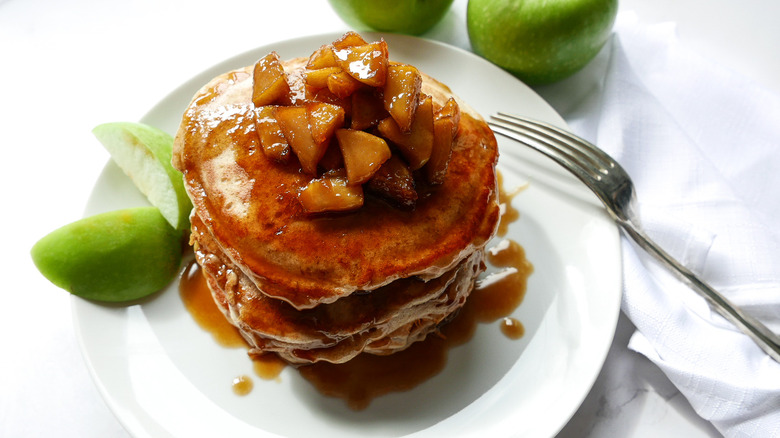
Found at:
[394, 182]
[272, 139]
[436, 168]
[347, 40]
[416, 146]
[318, 78]
[324, 119]
[367, 109]
[330, 193]
[450, 110]
[270, 81]
[366, 63]
[363, 154]
[332, 159]
[294, 123]
[322, 58]
[401, 94]
[342, 84]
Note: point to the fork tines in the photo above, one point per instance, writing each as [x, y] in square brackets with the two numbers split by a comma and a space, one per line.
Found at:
[574, 153]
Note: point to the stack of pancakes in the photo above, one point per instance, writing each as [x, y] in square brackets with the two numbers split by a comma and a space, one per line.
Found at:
[328, 287]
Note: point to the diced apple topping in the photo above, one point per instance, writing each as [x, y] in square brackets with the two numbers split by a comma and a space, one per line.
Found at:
[332, 160]
[324, 120]
[445, 128]
[401, 94]
[322, 58]
[327, 96]
[363, 154]
[318, 78]
[347, 40]
[342, 84]
[294, 123]
[270, 81]
[272, 139]
[330, 193]
[395, 182]
[367, 109]
[436, 168]
[353, 120]
[452, 111]
[416, 146]
[366, 63]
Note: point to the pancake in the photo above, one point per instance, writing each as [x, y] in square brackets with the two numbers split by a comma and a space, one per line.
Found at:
[249, 204]
[327, 287]
[383, 321]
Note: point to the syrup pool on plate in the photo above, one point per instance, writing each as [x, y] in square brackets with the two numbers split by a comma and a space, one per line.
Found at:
[368, 376]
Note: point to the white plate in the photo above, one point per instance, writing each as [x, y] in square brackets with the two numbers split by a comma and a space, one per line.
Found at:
[163, 376]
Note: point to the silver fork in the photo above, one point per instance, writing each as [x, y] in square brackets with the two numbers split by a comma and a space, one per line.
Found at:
[612, 185]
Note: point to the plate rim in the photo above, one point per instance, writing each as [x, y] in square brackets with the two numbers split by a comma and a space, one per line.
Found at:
[122, 413]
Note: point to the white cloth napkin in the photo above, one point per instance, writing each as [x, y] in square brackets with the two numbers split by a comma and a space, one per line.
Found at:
[702, 145]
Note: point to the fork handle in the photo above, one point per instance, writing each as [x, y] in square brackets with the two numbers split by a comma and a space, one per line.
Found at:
[761, 335]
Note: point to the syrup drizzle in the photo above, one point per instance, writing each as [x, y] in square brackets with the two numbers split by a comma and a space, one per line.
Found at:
[510, 213]
[196, 296]
[242, 385]
[512, 328]
[368, 376]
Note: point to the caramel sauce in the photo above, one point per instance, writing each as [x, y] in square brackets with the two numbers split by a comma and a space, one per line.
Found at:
[512, 328]
[242, 385]
[368, 376]
[510, 214]
[504, 289]
[268, 366]
[196, 296]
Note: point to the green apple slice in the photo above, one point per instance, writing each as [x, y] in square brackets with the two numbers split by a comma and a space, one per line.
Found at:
[144, 154]
[118, 256]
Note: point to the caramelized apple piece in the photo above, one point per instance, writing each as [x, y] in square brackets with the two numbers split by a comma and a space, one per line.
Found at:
[366, 63]
[445, 128]
[318, 78]
[300, 92]
[343, 84]
[349, 39]
[401, 94]
[330, 193]
[272, 139]
[416, 146]
[332, 159]
[436, 168]
[450, 110]
[394, 182]
[294, 123]
[363, 154]
[327, 96]
[324, 119]
[270, 81]
[322, 58]
[367, 109]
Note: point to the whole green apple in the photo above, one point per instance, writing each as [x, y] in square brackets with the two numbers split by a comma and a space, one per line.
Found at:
[402, 16]
[540, 41]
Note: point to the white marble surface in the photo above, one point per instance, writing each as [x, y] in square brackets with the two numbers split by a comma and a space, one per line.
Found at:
[67, 66]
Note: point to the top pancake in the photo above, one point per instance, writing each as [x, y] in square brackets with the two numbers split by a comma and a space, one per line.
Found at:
[250, 205]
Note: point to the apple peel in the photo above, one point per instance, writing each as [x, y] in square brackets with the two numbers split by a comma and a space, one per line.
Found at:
[144, 153]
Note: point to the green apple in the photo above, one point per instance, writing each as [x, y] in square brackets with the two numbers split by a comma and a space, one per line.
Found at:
[540, 41]
[401, 16]
[144, 153]
[117, 256]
